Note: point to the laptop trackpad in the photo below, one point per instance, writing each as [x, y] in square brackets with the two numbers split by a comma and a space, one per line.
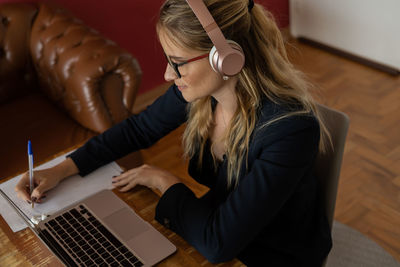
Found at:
[126, 223]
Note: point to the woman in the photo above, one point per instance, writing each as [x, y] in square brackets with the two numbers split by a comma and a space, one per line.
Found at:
[252, 138]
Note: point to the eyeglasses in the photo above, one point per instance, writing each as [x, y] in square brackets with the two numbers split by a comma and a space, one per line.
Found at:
[175, 66]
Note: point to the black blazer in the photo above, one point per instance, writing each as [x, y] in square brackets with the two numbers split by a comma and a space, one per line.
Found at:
[271, 217]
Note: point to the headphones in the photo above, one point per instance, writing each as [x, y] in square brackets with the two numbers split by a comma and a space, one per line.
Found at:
[226, 56]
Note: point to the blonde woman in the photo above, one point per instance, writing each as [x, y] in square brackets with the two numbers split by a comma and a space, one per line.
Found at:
[251, 137]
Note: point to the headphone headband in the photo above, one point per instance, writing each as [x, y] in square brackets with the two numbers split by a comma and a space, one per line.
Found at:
[229, 59]
[209, 24]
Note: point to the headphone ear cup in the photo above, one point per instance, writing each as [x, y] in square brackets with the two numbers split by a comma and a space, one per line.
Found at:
[230, 63]
[213, 54]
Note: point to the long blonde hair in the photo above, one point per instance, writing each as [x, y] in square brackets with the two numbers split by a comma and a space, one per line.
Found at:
[267, 73]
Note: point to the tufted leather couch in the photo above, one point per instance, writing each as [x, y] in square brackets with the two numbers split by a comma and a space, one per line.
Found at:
[61, 82]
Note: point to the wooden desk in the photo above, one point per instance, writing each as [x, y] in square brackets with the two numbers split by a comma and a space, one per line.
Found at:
[25, 249]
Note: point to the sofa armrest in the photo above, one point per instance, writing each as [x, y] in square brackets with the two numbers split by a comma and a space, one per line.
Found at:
[90, 77]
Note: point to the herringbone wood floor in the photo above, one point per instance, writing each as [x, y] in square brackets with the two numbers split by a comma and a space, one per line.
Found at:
[369, 189]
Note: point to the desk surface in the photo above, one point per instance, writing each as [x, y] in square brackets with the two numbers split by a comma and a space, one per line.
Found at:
[24, 248]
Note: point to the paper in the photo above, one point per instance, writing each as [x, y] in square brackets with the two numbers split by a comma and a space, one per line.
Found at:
[67, 192]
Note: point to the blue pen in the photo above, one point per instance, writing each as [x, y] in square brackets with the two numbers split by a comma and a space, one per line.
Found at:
[30, 158]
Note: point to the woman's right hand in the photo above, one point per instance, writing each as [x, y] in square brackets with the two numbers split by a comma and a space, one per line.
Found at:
[44, 180]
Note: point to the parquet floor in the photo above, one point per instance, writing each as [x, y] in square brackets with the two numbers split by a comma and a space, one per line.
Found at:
[369, 189]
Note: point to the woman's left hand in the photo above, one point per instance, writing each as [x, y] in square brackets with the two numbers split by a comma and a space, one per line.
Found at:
[146, 175]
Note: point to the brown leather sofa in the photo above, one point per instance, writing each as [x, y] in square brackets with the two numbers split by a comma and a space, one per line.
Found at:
[61, 82]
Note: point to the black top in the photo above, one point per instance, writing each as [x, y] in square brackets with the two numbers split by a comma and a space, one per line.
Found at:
[272, 217]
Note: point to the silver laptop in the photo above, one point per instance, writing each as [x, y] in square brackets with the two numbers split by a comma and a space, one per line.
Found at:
[101, 230]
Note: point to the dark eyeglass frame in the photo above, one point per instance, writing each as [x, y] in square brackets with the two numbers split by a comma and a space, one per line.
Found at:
[175, 66]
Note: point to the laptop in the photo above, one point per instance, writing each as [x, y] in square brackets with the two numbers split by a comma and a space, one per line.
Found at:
[100, 230]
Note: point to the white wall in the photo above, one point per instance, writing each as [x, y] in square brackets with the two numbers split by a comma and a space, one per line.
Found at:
[366, 28]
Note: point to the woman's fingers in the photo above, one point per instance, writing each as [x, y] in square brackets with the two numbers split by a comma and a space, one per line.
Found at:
[120, 183]
[41, 199]
[126, 181]
[22, 189]
[24, 195]
[145, 175]
[37, 192]
[121, 179]
[43, 185]
[125, 184]
[128, 187]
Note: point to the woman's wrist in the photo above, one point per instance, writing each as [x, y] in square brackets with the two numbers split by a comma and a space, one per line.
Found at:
[164, 188]
[167, 183]
[65, 169]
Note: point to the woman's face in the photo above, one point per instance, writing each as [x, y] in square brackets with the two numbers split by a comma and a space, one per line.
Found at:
[197, 78]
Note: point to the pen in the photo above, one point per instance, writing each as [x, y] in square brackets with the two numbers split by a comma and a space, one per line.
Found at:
[30, 159]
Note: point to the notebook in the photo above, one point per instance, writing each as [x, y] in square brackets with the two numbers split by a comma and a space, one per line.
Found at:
[100, 230]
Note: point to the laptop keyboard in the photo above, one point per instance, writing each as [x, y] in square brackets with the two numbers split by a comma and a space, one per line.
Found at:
[88, 241]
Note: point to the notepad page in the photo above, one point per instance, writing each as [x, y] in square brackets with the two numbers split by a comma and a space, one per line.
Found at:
[67, 192]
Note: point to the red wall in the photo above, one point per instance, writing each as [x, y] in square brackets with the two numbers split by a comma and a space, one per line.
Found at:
[131, 24]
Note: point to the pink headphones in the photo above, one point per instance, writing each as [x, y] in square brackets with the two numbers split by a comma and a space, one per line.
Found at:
[226, 56]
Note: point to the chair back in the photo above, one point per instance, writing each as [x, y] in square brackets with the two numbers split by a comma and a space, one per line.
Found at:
[328, 164]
